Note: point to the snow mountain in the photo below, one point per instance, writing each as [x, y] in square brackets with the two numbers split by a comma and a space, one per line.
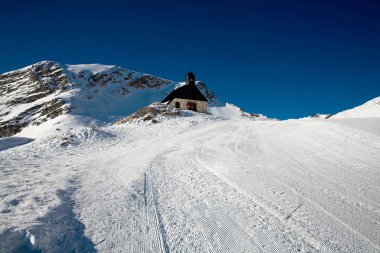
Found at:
[84, 94]
[195, 182]
[370, 109]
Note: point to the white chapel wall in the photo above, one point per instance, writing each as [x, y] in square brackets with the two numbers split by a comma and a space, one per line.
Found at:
[201, 105]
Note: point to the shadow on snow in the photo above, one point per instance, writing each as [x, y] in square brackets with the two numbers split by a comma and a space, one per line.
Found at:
[11, 142]
[59, 231]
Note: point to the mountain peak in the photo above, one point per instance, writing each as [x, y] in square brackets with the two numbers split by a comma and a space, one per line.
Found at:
[94, 68]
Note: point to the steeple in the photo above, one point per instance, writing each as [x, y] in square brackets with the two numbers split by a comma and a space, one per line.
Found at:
[190, 78]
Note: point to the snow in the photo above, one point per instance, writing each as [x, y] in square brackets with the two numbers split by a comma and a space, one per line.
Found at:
[196, 184]
[59, 124]
[228, 111]
[219, 182]
[366, 110]
[93, 68]
[317, 116]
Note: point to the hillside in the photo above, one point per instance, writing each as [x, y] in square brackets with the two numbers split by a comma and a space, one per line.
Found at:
[196, 183]
[369, 109]
[76, 95]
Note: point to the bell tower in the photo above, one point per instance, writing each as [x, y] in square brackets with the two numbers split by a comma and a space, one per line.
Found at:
[190, 78]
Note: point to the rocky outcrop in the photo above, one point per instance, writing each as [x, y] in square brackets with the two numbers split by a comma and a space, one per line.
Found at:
[34, 115]
[212, 99]
[148, 81]
[25, 96]
[151, 113]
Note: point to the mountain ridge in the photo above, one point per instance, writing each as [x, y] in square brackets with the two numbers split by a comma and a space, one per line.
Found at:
[369, 109]
[68, 95]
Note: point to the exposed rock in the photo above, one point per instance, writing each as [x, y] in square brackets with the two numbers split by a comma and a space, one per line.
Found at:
[206, 92]
[148, 81]
[320, 116]
[9, 129]
[34, 115]
[151, 112]
[25, 88]
[256, 115]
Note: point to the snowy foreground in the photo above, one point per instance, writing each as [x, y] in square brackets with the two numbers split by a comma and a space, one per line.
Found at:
[195, 184]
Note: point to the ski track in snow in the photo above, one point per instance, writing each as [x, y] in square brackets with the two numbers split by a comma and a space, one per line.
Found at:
[198, 184]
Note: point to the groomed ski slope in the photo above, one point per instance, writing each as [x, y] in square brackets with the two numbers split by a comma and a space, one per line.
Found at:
[198, 184]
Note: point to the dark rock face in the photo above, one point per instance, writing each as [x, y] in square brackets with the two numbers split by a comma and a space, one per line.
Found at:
[148, 81]
[212, 99]
[124, 79]
[9, 129]
[22, 93]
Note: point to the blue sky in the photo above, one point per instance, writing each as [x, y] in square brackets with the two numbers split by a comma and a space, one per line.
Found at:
[285, 59]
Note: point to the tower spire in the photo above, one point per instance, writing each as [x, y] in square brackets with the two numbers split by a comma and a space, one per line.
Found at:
[190, 78]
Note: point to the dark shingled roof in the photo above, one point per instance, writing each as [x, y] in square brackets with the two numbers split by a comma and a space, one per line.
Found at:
[188, 91]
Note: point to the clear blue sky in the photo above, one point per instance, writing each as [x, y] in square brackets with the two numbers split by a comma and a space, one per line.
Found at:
[285, 59]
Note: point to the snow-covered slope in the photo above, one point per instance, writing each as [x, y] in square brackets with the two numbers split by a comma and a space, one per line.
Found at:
[369, 109]
[92, 68]
[72, 95]
[195, 184]
[230, 111]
